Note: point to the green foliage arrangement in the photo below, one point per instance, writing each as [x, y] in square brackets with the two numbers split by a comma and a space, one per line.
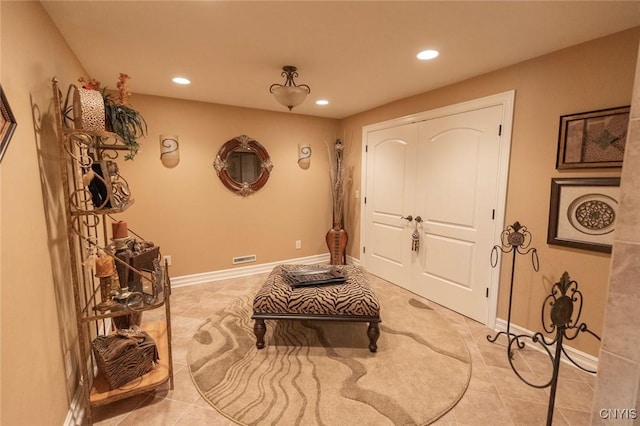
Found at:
[126, 122]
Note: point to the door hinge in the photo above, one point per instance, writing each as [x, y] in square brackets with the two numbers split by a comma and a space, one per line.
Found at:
[500, 130]
[364, 249]
[493, 214]
[487, 293]
[365, 200]
[366, 148]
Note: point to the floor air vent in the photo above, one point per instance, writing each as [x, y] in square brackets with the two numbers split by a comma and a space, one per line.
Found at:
[244, 259]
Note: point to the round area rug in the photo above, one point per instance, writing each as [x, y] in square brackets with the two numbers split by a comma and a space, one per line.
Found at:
[322, 373]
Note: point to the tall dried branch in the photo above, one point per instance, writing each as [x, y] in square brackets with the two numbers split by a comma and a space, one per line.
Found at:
[340, 179]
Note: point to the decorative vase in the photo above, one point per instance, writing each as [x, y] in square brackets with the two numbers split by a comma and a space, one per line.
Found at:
[88, 110]
[337, 239]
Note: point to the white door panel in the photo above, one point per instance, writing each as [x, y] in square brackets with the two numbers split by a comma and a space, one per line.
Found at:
[390, 195]
[439, 252]
[458, 172]
[386, 240]
[447, 175]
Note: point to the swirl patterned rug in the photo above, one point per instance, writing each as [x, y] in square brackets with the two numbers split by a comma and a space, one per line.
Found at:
[322, 373]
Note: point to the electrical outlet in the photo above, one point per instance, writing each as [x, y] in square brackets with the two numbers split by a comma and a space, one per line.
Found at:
[167, 259]
[298, 244]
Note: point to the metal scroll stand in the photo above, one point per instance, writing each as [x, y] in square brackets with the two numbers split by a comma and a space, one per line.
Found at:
[564, 295]
[515, 238]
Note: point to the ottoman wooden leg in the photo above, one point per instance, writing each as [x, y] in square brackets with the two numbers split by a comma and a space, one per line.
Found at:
[259, 329]
[373, 332]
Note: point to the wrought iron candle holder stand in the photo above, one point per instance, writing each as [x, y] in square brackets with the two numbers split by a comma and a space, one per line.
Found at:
[515, 238]
[564, 319]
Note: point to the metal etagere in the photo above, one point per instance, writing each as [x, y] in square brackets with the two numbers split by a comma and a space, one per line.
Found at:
[104, 303]
[515, 239]
[561, 311]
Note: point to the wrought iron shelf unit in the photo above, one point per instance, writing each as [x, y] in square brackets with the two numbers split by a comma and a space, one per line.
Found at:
[119, 209]
[100, 140]
[94, 190]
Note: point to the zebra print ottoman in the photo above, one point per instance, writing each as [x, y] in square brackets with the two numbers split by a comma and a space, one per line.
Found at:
[353, 300]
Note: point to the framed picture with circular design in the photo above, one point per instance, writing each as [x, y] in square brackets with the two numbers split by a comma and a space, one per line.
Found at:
[583, 213]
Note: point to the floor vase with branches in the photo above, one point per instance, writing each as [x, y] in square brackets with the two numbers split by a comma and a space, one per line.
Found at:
[337, 237]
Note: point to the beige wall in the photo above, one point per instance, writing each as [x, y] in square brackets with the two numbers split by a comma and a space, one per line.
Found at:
[591, 76]
[37, 309]
[199, 222]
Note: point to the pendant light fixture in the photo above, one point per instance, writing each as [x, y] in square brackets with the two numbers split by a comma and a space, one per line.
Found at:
[290, 94]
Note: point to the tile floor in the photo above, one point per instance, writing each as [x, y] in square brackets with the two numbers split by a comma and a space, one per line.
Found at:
[495, 395]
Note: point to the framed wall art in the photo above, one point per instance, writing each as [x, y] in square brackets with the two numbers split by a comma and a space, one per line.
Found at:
[7, 123]
[593, 139]
[583, 213]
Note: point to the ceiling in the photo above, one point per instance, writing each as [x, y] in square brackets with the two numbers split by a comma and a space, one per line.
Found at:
[356, 54]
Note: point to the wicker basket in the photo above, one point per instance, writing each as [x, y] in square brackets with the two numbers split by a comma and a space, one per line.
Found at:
[122, 359]
[88, 110]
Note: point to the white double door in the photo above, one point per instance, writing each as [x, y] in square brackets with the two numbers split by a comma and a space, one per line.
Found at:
[440, 179]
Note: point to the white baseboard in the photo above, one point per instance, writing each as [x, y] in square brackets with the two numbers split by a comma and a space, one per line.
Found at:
[76, 414]
[243, 271]
[584, 359]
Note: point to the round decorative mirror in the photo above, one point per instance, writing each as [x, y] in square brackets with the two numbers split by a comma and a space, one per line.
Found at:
[243, 165]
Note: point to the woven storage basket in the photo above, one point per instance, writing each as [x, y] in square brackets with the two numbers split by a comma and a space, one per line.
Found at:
[88, 110]
[123, 359]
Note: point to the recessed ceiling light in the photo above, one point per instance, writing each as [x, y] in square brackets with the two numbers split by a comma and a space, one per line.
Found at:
[181, 80]
[322, 102]
[426, 55]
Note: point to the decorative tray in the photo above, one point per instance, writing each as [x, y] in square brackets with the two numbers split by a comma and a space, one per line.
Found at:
[313, 277]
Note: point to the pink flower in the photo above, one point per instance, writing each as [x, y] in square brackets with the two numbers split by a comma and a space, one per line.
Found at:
[123, 92]
[91, 84]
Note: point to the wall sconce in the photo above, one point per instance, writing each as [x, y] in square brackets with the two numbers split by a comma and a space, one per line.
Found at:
[290, 94]
[169, 153]
[304, 156]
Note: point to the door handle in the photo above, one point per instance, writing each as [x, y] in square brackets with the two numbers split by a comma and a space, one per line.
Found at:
[419, 219]
[408, 218]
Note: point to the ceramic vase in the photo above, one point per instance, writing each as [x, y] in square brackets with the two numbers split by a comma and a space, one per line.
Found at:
[337, 239]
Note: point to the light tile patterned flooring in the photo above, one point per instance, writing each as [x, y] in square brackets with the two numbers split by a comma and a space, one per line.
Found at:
[495, 395]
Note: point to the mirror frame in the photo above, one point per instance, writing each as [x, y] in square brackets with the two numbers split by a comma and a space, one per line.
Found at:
[246, 143]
